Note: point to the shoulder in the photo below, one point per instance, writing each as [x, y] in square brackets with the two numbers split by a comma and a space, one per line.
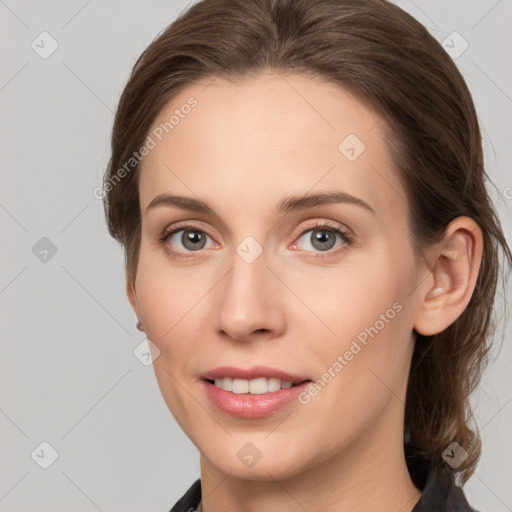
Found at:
[190, 500]
[441, 493]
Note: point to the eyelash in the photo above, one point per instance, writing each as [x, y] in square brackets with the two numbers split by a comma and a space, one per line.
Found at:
[347, 238]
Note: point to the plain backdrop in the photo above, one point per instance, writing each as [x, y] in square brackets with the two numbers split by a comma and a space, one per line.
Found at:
[68, 377]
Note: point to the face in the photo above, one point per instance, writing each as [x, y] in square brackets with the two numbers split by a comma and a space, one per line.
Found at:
[318, 292]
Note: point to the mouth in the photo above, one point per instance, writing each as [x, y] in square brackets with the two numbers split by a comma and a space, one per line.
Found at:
[257, 386]
[254, 392]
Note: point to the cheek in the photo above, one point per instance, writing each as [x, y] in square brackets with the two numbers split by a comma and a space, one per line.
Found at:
[169, 297]
[170, 304]
[360, 336]
[345, 303]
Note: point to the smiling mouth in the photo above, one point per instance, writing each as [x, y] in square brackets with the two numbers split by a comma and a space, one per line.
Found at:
[258, 386]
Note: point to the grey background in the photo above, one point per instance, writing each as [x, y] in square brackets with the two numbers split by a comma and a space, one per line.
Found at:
[68, 375]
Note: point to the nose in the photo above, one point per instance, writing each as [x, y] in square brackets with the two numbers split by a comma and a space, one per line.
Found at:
[250, 301]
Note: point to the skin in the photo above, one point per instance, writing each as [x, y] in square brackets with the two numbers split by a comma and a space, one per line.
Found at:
[243, 148]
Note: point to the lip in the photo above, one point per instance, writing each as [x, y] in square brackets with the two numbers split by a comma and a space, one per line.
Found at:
[246, 405]
[251, 373]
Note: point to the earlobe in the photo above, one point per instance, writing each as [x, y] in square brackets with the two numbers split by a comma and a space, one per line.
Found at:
[456, 262]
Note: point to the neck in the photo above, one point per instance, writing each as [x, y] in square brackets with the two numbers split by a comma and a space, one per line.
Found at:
[369, 474]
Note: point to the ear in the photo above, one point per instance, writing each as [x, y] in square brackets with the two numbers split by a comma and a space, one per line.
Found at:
[455, 262]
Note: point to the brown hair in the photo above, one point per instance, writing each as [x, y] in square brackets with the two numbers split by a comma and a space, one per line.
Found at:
[386, 58]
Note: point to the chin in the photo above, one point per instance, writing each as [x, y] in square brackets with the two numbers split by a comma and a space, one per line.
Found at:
[262, 471]
[258, 460]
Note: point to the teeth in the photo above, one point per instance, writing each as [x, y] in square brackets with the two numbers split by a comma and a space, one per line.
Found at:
[226, 383]
[273, 384]
[240, 386]
[258, 386]
[254, 387]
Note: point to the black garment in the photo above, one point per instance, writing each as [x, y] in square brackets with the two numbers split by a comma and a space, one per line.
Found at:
[439, 492]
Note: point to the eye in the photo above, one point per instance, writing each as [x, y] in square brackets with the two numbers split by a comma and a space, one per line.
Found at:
[187, 238]
[322, 237]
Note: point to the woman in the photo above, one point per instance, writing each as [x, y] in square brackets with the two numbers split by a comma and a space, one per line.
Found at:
[300, 191]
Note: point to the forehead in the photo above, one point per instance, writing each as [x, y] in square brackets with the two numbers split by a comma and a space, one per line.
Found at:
[252, 142]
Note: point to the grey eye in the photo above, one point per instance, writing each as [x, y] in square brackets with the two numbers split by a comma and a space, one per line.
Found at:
[320, 239]
[191, 239]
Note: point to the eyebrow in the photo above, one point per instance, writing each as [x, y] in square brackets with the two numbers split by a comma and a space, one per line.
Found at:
[286, 205]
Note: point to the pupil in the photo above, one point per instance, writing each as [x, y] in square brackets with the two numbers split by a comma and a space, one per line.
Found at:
[322, 237]
[192, 238]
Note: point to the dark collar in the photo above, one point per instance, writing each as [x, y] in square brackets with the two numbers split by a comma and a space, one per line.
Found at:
[439, 492]
[190, 500]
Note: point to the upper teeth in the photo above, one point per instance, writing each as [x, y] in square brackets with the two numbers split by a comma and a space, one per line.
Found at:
[255, 386]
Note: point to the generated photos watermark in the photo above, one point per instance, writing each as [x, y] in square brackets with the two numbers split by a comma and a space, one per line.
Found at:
[355, 348]
[152, 140]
